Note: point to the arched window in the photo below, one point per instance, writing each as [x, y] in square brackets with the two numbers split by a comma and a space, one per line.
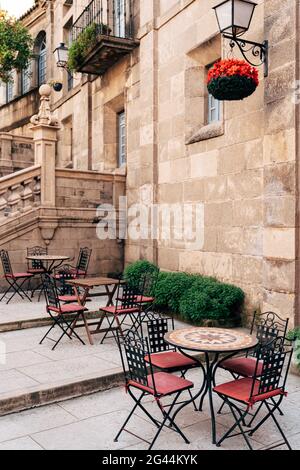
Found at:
[41, 51]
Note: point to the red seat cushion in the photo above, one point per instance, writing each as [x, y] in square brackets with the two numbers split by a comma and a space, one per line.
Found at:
[70, 308]
[144, 299]
[79, 272]
[171, 360]
[19, 275]
[243, 366]
[69, 298]
[119, 311]
[165, 383]
[36, 271]
[241, 390]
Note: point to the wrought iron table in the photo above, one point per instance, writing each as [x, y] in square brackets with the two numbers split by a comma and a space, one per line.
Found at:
[213, 342]
[49, 262]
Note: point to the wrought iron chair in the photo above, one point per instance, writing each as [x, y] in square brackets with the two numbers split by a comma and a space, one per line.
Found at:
[140, 377]
[268, 382]
[267, 327]
[36, 268]
[73, 272]
[15, 280]
[146, 288]
[144, 296]
[63, 316]
[126, 306]
[163, 356]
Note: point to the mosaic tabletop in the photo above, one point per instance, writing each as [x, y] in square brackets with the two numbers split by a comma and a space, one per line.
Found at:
[211, 339]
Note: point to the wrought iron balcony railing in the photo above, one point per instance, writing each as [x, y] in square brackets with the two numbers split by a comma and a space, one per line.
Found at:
[111, 17]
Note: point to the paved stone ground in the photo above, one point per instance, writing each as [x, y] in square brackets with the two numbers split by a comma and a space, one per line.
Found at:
[90, 423]
[18, 310]
[28, 366]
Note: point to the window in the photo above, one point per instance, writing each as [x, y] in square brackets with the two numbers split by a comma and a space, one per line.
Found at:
[42, 61]
[25, 79]
[9, 91]
[119, 20]
[122, 138]
[214, 109]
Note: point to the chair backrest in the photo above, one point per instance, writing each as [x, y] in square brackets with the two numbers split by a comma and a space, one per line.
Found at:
[133, 351]
[6, 263]
[66, 273]
[275, 359]
[126, 297]
[36, 251]
[83, 259]
[268, 327]
[157, 328]
[148, 282]
[50, 290]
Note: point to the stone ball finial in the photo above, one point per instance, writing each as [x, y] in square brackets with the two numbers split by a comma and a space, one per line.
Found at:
[45, 90]
[45, 116]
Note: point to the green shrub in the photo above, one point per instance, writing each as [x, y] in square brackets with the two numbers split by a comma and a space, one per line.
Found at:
[169, 289]
[195, 298]
[135, 271]
[85, 41]
[212, 300]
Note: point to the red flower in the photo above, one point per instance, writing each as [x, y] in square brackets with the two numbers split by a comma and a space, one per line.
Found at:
[230, 67]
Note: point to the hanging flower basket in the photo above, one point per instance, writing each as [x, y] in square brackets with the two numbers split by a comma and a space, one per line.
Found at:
[232, 80]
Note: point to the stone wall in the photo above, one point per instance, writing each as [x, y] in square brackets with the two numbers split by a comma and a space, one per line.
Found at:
[16, 153]
[242, 169]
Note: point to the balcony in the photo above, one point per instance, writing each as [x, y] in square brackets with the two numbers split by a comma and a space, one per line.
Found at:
[107, 29]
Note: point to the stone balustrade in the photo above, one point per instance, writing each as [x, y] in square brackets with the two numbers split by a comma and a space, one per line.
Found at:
[20, 193]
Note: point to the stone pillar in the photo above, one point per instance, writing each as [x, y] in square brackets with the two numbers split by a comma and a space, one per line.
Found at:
[6, 164]
[280, 170]
[45, 127]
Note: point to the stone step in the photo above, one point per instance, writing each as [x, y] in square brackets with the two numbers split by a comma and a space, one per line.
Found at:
[34, 322]
[43, 395]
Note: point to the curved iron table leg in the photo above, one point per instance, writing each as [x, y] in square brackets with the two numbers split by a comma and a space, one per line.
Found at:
[209, 372]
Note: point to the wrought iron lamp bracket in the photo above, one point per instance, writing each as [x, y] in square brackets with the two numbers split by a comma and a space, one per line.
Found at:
[248, 48]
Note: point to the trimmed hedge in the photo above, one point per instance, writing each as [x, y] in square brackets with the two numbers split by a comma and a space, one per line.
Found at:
[194, 298]
[135, 271]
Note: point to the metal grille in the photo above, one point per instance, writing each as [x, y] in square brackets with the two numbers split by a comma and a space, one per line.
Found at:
[5, 262]
[157, 329]
[269, 326]
[109, 17]
[37, 251]
[272, 371]
[148, 282]
[84, 259]
[50, 292]
[136, 350]
[126, 298]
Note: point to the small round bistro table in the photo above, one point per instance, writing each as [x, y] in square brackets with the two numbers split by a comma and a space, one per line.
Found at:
[213, 342]
[49, 262]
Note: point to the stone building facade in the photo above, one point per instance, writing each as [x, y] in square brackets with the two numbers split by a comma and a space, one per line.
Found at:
[241, 161]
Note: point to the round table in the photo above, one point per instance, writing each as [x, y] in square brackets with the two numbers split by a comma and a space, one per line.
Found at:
[213, 342]
[49, 262]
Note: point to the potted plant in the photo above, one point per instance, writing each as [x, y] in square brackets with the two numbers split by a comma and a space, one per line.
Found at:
[56, 85]
[15, 47]
[85, 42]
[232, 79]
